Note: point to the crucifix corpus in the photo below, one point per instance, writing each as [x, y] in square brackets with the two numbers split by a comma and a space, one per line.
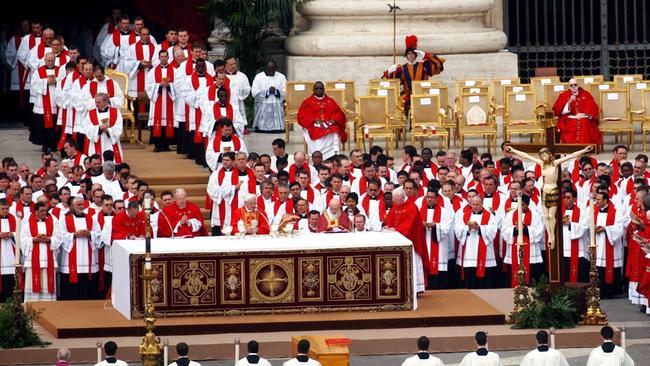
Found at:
[550, 160]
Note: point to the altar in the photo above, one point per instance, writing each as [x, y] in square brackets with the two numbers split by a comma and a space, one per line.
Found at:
[308, 273]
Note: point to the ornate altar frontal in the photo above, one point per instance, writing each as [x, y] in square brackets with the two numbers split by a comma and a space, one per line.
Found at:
[257, 275]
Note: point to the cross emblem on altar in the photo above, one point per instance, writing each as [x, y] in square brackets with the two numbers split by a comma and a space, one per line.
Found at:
[272, 280]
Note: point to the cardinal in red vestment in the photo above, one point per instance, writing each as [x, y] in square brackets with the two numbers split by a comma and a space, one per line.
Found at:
[577, 114]
[324, 122]
[181, 218]
[248, 214]
[404, 217]
[331, 220]
[129, 224]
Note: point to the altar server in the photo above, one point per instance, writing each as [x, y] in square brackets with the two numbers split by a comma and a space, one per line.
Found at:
[39, 249]
[423, 357]
[182, 350]
[609, 354]
[110, 349]
[302, 359]
[543, 355]
[253, 358]
[115, 48]
[481, 357]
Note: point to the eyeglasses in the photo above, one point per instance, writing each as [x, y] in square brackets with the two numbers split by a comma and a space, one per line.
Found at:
[572, 85]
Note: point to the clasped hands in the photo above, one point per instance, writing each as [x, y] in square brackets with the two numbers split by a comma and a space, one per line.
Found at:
[82, 234]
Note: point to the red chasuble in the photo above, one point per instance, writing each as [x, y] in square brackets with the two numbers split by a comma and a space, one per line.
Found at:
[175, 214]
[124, 226]
[578, 131]
[644, 281]
[406, 220]
[324, 109]
[247, 217]
[327, 224]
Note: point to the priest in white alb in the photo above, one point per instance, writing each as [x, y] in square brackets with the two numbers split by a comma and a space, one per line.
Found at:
[116, 47]
[101, 84]
[609, 354]
[240, 88]
[39, 245]
[43, 90]
[269, 88]
[104, 128]
[544, 355]
[161, 88]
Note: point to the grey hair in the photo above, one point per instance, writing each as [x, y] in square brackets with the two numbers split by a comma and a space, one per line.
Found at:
[63, 354]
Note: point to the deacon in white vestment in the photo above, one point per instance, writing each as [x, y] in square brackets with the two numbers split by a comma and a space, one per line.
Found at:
[101, 84]
[240, 88]
[110, 349]
[182, 350]
[302, 359]
[43, 91]
[609, 245]
[104, 128]
[437, 221]
[8, 228]
[116, 46]
[543, 355]
[269, 88]
[139, 63]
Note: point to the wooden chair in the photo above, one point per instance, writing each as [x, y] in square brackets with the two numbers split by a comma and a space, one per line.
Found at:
[485, 128]
[339, 96]
[373, 121]
[479, 89]
[469, 83]
[384, 83]
[497, 87]
[449, 120]
[615, 115]
[622, 80]
[635, 94]
[426, 120]
[419, 87]
[396, 120]
[538, 85]
[128, 116]
[297, 92]
[596, 88]
[521, 118]
[584, 80]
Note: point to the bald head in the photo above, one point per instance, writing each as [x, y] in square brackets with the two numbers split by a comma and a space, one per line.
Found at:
[399, 196]
[180, 197]
[335, 205]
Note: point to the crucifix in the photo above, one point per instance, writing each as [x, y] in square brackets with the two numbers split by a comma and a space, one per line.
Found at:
[393, 9]
[550, 159]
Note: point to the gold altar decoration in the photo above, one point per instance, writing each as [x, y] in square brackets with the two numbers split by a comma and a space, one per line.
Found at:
[594, 315]
[520, 293]
[150, 350]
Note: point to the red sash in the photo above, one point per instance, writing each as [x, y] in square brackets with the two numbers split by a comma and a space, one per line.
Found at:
[64, 113]
[12, 229]
[216, 145]
[117, 38]
[139, 55]
[294, 168]
[36, 255]
[216, 112]
[169, 105]
[609, 248]
[110, 88]
[196, 84]
[575, 245]
[482, 246]
[514, 253]
[20, 207]
[112, 118]
[262, 206]
[72, 256]
[48, 117]
[435, 245]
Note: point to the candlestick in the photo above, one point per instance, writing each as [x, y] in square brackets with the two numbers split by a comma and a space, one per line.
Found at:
[592, 227]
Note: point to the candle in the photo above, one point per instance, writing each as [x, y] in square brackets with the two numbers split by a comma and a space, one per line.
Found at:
[19, 223]
[520, 224]
[236, 349]
[592, 228]
[99, 351]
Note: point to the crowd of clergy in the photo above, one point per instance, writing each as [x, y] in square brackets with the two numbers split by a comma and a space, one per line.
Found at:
[460, 211]
[606, 354]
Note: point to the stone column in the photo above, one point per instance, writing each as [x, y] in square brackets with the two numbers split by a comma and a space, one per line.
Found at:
[218, 37]
[353, 39]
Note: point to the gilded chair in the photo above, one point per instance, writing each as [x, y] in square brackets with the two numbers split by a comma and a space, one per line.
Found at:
[583, 81]
[497, 91]
[596, 87]
[426, 120]
[615, 115]
[645, 123]
[396, 120]
[339, 96]
[296, 93]
[350, 101]
[128, 116]
[373, 121]
[635, 91]
[622, 80]
[476, 118]
[520, 115]
[384, 84]
[538, 85]
[419, 87]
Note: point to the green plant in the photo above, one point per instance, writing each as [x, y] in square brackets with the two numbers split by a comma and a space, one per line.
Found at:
[549, 308]
[249, 22]
[17, 332]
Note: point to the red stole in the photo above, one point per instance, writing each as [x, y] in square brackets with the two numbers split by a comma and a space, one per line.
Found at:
[575, 245]
[196, 84]
[482, 246]
[294, 168]
[12, 229]
[514, 253]
[236, 142]
[20, 207]
[310, 194]
[110, 88]
[117, 38]
[112, 118]
[365, 203]
[609, 248]
[72, 256]
[48, 118]
[36, 255]
[216, 112]
[139, 55]
[169, 104]
[435, 245]
[64, 112]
